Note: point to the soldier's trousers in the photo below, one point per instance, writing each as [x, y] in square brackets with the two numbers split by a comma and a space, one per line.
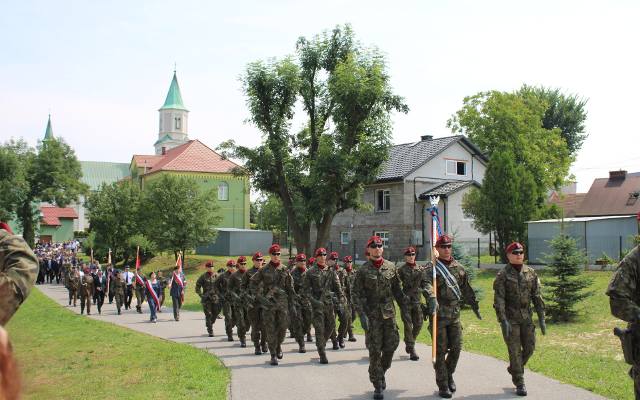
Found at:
[85, 301]
[128, 295]
[258, 336]
[177, 304]
[275, 322]
[345, 320]
[381, 340]
[448, 350]
[73, 295]
[112, 294]
[227, 311]
[521, 344]
[211, 310]
[99, 295]
[412, 319]
[139, 299]
[324, 322]
[119, 301]
[240, 318]
[300, 325]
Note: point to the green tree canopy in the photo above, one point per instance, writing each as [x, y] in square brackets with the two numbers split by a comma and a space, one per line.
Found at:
[321, 169]
[15, 157]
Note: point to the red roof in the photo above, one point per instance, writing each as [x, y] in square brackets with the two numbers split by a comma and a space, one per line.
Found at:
[193, 156]
[51, 215]
[146, 160]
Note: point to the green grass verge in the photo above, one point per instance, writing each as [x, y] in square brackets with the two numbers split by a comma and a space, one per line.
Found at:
[66, 356]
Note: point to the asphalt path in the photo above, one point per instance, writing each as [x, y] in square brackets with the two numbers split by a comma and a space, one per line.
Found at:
[300, 376]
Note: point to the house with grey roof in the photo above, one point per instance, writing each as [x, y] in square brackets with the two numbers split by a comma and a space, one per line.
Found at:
[447, 167]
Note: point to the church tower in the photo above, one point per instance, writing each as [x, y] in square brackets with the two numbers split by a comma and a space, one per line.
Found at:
[173, 120]
[48, 134]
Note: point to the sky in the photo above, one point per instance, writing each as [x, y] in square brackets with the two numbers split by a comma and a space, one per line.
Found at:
[102, 69]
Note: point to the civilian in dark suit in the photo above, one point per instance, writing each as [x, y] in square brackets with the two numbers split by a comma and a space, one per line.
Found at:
[100, 283]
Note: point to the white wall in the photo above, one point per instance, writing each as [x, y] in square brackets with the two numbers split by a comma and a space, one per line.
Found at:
[436, 167]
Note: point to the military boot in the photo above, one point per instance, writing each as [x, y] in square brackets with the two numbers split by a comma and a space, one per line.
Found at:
[139, 309]
[229, 337]
[445, 393]
[210, 331]
[414, 357]
[452, 384]
[301, 348]
[309, 338]
[263, 346]
[323, 357]
[243, 343]
[341, 342]
[279, 352]
[377, 392]
[351, 337]
[274, 360]
[257, 352]
[334, 341]
[521, 390]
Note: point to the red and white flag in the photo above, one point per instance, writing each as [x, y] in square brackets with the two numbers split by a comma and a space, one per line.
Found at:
[138, 258]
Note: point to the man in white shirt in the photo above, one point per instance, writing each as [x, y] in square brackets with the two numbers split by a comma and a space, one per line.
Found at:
[128, 280]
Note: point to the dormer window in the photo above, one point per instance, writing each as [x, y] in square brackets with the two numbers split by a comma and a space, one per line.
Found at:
[178, 122]
[633, 197]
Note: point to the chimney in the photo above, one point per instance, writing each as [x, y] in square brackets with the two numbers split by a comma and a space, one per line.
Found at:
[621, 174]
[164, 150]
[426, 137]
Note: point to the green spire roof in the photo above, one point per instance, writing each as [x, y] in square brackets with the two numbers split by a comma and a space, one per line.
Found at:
[48, 135]
[174, 98]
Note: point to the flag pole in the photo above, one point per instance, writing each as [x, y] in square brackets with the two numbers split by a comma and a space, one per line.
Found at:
[434, 255]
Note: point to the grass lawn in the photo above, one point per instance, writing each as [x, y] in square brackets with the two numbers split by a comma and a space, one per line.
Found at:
[66, 356]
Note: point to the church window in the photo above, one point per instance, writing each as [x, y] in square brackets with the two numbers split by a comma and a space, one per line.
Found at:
[223, 191]
[178, 122]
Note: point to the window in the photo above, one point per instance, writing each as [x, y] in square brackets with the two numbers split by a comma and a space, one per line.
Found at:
[223, 191]
[384, 235]
[455, 167]
[345, 237]
[383, 200]
[178, 121]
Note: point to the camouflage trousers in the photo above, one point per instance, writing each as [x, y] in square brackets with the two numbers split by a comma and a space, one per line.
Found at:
[521, 344]
[255, 321]
[119, 300]
[211, 310]
[73, 295]
[345, 321]
[381, 340]
[275, 321]
[412, 319]
[139, 292]
[85, 301]
[241, 319]
[449, 347]
[227, 311]
[634, 373]
[301, 325]
[324, 322]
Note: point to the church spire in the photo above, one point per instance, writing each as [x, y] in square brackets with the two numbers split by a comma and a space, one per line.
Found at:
[48, 135]
[174, 97]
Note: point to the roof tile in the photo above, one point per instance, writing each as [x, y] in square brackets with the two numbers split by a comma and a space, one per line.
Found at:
[193, 156]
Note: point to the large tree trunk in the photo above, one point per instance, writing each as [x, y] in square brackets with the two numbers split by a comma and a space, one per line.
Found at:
[324, 230]
[26, 219]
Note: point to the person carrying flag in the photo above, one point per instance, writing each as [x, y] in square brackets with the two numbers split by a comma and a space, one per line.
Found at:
[152, 290]
[139, 290]
[453, 289]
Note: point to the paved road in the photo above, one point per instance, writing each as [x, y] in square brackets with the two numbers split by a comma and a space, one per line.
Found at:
[300, 376]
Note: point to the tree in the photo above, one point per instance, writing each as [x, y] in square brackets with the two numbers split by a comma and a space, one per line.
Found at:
[14, 158]
[565, 112]
[114, 213]
[271, 216]
[177, 214]
[53, 176]
[506, 200]
[321, 170]
[566, 288]
[460, 254]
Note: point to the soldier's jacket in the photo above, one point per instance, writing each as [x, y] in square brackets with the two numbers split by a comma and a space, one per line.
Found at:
[414, 281]
[448, 303]
[18, 272]
[375, 288]
[514, 292]
[235, 286]
[247, 278]
[118, 285]
[86, 285]
[321, 285]
[624, 288]
[222, 282]
[349, 277]
[206, 287]
[342, 277]
[74, 282]
[277, 285]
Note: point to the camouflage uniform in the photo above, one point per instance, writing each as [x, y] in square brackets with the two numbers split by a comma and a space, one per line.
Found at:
[205, 289]
[86, 292]
[139, 291]
[73, 284]
[272, 286]
[342, 307]
[624, 299]
[414, 284]
[300, 326]
[238, 305]
[221, 283]
[254, 313]
[449, 339]
[321, 287]
[374, 289]
[513, 294]
[18, 272]
[119, 289]
[350, 276]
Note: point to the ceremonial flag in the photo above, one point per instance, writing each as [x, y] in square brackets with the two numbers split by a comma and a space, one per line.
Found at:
[139, 280]
[109, 257]
[92, 255]
[138, 258]
[154, 295]
[436, 232]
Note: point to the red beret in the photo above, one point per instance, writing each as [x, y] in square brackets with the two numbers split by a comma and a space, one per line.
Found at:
[334, 255]
[444, 239]
[321, 250]
[301, 257]
[209, 264]
[275, 248]
[347, 259]
[374, 239]
[256, 256]
[3, 225]
[312, 260]
[242, 259]
[231, 263]
[514, 246]
[409, 250]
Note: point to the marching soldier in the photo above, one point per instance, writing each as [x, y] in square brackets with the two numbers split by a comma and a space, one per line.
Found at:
[350, 275]
[206, 290]
[222, 283]
[341, 305]
[119, 290]
[238, 305]
[86, 291]
[258, 336]
[73, 284]
[625, 304]
[320, 287]
[273, 288]
[301, 325]
[453, 289]
[139, 291]
[375, 286]
[414, 285]
[515, 288]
